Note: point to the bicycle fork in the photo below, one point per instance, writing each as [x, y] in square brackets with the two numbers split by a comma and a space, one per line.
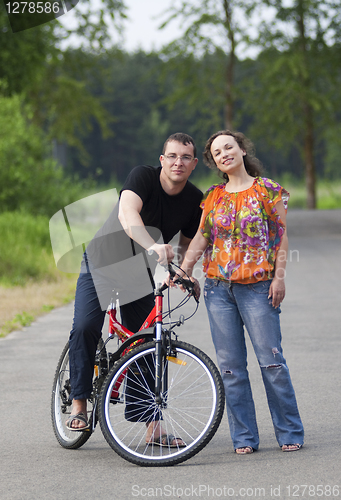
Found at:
[158, 346]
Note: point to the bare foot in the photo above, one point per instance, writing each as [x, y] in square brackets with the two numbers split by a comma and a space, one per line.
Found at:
[78, 406]
[155, 431]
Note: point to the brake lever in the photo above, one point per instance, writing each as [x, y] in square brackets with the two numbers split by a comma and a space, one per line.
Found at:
[171, 271]
[188, 284]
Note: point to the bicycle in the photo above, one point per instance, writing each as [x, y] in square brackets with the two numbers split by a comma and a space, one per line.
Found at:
[151, 377]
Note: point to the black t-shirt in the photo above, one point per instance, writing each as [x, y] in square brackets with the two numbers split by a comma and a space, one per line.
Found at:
[169, 214]
[160, 213]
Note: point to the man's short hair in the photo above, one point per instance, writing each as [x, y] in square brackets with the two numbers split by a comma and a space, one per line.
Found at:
[183, 139]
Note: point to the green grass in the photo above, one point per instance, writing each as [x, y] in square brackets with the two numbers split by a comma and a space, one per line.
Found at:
[329, 195]
[21, 320]
[25, 249]
[328, 192]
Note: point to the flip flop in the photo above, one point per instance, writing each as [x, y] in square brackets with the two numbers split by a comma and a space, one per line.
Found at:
[244, 450]
[166, 440]
[80, 416]
[296, 445]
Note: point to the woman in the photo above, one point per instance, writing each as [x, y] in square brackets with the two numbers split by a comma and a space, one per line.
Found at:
[243, 234]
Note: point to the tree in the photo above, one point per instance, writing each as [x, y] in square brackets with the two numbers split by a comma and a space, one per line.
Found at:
[30, 179]
[298, 77]
[95, 24]
[33, 65]
[210, 27]
[127, 85]
[23, 55]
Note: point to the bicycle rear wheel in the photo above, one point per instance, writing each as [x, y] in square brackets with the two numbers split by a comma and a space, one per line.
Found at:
[192, 406]
[61, 406]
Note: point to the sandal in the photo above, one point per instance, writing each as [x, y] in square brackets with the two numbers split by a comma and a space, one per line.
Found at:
[244, 450]
[82, 418]
[166, 440]
[293, 447]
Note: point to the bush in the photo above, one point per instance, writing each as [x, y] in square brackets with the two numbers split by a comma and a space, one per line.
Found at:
[30, 179]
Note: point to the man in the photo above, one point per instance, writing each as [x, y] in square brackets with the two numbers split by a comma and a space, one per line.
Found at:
[155, 204]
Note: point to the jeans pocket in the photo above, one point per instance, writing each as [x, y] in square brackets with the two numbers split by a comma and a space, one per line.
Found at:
[261, 287]
[209, 284]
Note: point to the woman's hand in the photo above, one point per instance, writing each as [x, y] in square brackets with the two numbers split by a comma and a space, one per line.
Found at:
[277, 291]
[171, 283]
[196, 289]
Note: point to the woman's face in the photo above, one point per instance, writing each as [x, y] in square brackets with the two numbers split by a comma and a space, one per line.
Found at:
[227, 154]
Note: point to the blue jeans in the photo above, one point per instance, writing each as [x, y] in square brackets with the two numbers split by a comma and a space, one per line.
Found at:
[87, 330]
[230, 306]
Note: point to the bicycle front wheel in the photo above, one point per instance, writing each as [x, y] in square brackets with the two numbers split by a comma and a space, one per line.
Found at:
[191, 409]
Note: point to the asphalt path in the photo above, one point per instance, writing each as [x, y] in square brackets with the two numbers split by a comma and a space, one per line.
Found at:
[34, 466]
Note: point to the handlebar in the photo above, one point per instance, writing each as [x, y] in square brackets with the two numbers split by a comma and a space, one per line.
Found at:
[186, 283]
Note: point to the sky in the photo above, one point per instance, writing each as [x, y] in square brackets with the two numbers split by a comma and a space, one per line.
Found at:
[142, 28]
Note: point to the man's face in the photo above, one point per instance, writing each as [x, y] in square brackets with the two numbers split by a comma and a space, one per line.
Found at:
[178, 161]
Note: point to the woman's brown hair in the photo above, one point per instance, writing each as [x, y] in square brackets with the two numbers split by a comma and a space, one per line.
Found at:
[253, 166]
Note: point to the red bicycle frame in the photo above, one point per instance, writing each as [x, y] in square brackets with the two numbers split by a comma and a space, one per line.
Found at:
[115, 327]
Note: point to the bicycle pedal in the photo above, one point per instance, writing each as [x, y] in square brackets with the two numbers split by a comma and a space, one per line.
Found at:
[114, 401]
[177, 361]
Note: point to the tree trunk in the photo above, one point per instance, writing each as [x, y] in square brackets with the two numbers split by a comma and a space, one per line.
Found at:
[309, 159]
[308, 113]
[229, 103]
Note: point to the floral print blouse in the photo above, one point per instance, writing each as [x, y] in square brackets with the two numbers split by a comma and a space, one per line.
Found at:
[244, 231]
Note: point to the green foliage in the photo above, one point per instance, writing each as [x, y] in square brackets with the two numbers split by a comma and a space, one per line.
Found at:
[69, 110]
[332, 138]
[199, 85]
[95, 24]
[114, 109]
[297, 80]
[29, 179]
[33, 65]
[210, 27]
[25, 249]
[127, 86]
[23, 55]
[151, 98]
[281, 96]
[207, 25]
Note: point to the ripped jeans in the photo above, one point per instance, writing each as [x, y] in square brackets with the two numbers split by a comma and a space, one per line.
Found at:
[230, 306]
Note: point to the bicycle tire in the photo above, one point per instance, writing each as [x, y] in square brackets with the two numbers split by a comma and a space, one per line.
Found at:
[195, 402]
[59, 411]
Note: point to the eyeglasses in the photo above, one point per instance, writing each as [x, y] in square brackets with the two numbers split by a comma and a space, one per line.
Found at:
[185, 159]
